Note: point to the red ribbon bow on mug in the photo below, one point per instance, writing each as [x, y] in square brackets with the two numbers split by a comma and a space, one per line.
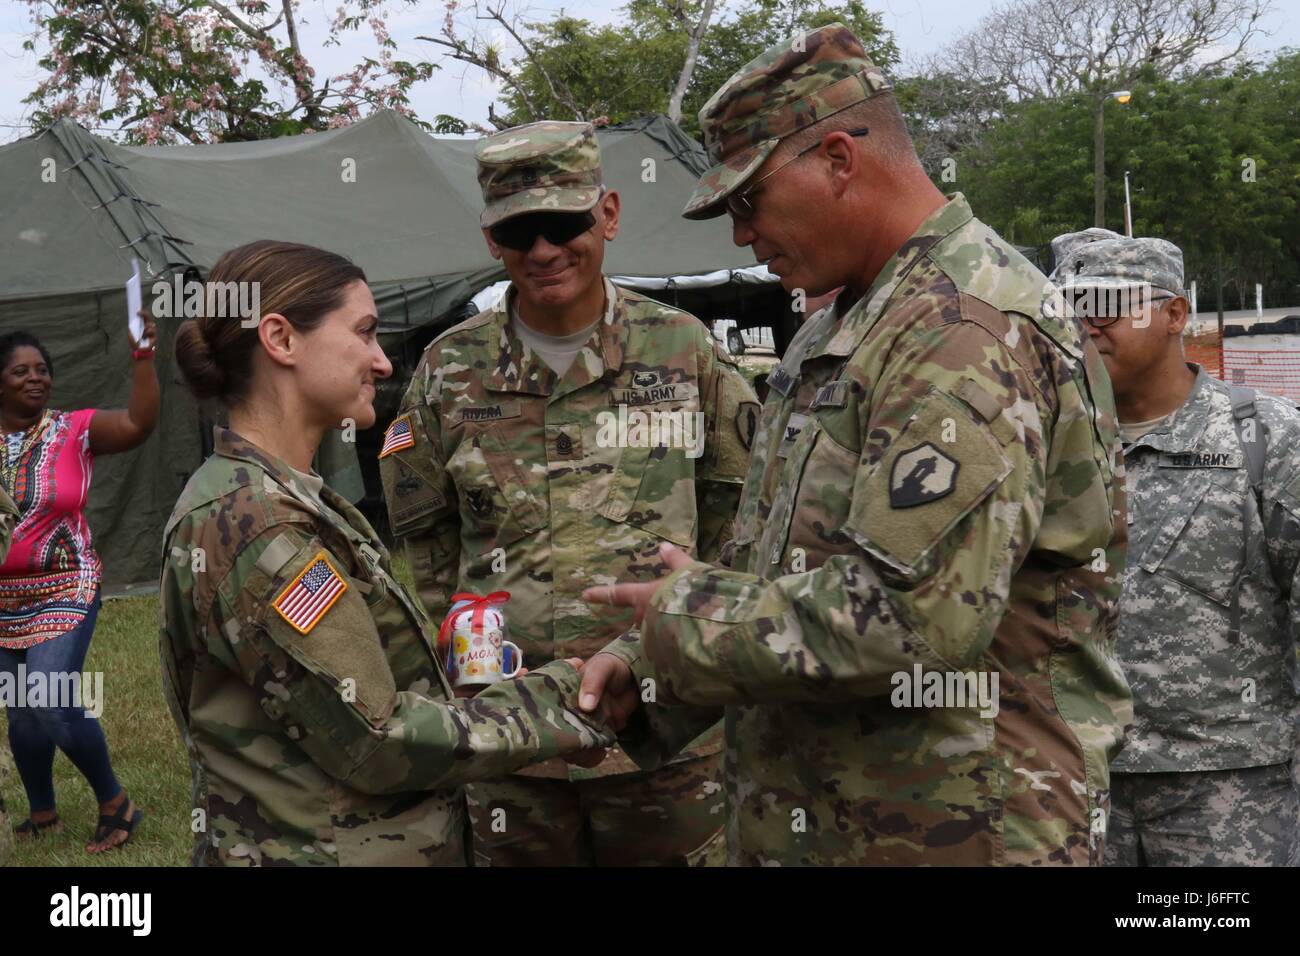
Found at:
[471, 601]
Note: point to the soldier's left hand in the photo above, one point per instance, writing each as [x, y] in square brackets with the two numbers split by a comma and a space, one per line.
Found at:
[637, 595]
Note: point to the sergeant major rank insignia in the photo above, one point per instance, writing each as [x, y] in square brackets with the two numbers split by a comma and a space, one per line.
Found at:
[308, 596]
[921, 475]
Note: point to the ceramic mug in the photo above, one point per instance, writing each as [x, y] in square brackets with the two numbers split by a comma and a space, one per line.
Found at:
[481, 656]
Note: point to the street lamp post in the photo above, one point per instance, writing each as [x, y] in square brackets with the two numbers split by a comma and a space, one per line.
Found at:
[1128, 208]
[1099, 156]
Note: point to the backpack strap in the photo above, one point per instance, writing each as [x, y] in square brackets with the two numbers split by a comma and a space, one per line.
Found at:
[1254, 450]
[1243, 410]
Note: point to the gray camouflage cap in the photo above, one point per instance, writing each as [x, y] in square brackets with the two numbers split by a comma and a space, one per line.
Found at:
[541, 167]
[1099, 258]
[1064, 245]
[793, 84]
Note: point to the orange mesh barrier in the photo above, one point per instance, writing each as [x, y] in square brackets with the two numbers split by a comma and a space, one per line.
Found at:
[1268, 370]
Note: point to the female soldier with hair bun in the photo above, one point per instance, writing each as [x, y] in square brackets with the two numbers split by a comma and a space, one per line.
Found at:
[304, 679]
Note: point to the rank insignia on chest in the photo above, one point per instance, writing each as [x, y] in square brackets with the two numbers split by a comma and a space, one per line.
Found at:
[781, 380]
[921, 475]
[308, 596]
[398, 436]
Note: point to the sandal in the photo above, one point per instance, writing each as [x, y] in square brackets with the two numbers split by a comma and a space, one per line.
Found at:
[117, 821]
[29, 829]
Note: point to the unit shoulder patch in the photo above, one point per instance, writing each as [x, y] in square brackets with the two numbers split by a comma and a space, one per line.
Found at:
[920, 475]
[747, 423]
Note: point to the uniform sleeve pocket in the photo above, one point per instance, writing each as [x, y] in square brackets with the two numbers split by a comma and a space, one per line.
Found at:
[318, 616]
[415, 483]
[938, 469]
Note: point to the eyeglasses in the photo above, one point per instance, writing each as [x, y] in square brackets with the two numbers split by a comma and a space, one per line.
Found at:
[741, 206]
[1099, 313]
[558, 228]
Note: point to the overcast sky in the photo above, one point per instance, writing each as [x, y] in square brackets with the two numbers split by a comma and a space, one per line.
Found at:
[920, 27]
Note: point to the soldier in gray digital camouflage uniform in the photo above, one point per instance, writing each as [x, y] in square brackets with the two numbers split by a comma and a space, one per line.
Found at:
[1208, 619]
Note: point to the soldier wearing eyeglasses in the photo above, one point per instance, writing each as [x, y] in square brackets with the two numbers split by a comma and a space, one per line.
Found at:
[1208, 622]
[931, 503]
[554, 441]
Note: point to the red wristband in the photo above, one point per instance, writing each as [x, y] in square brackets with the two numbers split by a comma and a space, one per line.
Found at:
[139, 354]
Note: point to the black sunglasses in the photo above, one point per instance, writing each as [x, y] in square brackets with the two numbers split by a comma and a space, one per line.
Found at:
[558, 228]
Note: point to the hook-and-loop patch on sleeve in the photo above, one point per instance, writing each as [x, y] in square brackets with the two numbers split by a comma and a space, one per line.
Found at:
[939, 468]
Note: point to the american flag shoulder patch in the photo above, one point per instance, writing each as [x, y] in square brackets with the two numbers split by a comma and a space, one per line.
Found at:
[308, 596]
[398, 436]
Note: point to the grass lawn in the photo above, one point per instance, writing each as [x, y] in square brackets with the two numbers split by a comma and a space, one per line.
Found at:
[142, 739]
[147, 754]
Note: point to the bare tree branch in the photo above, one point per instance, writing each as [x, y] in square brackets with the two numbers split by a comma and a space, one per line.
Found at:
[560, 92]
[694, 33]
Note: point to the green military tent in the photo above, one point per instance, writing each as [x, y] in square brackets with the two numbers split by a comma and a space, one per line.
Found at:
[75, 209]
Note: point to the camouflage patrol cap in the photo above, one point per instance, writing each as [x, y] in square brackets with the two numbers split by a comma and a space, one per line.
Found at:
[1114, 261]
[541, 167]
[1064, 245]
[789, 86]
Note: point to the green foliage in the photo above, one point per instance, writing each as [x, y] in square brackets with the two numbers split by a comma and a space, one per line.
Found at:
[630, 70]
[1184, 143]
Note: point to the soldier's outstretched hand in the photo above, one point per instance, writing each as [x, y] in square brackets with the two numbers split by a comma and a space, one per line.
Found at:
[607, 683]
[637, 595]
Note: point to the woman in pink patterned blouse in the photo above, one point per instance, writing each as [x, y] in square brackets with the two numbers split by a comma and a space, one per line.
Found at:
[49, 583]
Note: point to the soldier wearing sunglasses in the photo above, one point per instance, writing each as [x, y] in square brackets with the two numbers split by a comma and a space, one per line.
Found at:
[510, 469]
[1208, 616]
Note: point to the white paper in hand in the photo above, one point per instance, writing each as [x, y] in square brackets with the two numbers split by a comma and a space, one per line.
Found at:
[134, 302]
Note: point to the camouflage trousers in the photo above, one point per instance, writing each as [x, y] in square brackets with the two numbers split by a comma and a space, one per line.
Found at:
[1246, 817]
[672, 816]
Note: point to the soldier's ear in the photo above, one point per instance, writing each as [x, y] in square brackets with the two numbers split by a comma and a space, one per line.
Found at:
[1177, 310]
[493, 249]
[277, 336]
[610, 207]
[845, 159]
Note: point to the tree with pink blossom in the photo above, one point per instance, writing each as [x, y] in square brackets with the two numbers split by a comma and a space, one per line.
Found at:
[204, 71]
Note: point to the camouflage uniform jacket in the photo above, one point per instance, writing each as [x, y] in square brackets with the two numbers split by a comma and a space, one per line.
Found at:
[1206, 698]
[514, 480]
[933, 488]
[335, 742]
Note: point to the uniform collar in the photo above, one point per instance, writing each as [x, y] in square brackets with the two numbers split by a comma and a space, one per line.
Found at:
[230, 444]
[1184, 433]
[519, 369]
[860, 317]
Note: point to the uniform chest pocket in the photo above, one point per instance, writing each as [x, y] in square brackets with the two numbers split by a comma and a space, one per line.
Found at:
[811, 501]
[496, 505]
[1198, 541]
[653, 488]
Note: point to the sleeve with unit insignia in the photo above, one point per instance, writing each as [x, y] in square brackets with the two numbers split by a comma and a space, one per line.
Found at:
[300, 632]
[943, 503]
[422, 509]
[731, 411]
